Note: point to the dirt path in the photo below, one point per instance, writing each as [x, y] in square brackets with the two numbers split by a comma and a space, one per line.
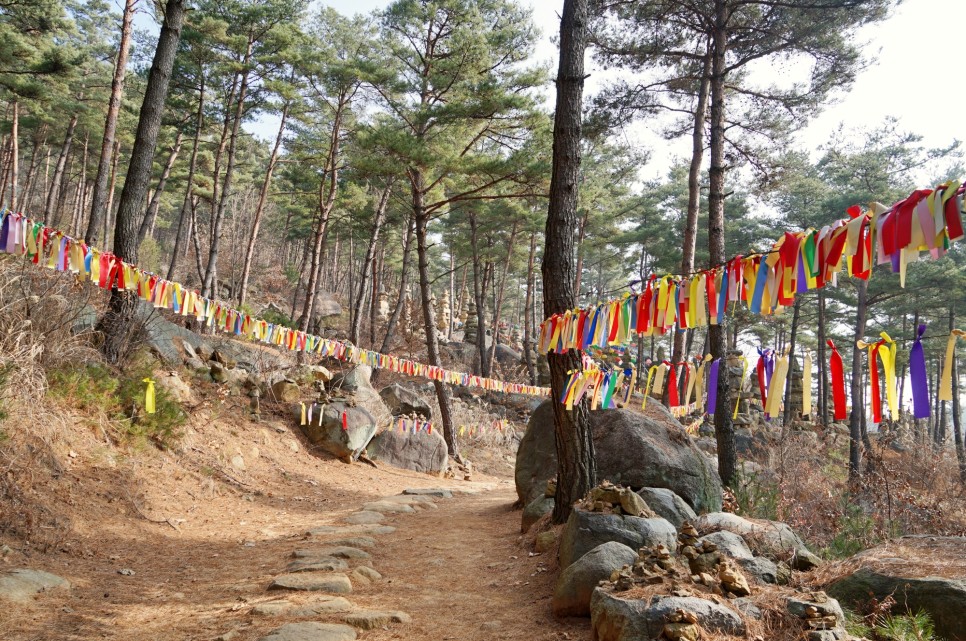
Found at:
[463, 574]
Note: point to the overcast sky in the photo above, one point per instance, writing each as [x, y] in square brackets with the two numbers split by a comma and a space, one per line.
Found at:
[915, 54]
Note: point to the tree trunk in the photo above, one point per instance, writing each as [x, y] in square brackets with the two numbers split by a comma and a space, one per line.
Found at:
[577, 466]
[498, 304]
[100, 197]
[147, 225]
[957, 424]
[40, 140]
[209, 284]
[53, 193]
[694, 198]
[855, 416]
[180, 237]
[822, 362]
[581, 233]
[401, 299]
[793, 334]
[718, 340]
[421, 218]
[260, 208]
[14, 155]
[480, 281]
[116, 324]
[367, 266]
[115, 157]
[527, 332]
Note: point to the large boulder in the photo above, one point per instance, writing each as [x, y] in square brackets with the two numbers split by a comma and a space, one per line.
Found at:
[921, 573]
[327, 431]
[327, 305]
[729, 543]
[631, 448]
[586, 530]
[768, 538]
[357, 384]
[614, 618]
[402, 401]
[571, 596]
[507, 356]
[420, 452]
[668, 505]
[535, 510]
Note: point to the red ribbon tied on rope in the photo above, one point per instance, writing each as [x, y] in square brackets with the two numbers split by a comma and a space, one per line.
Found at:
[838, 383]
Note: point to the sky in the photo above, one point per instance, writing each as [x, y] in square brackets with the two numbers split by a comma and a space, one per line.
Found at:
[913, 55]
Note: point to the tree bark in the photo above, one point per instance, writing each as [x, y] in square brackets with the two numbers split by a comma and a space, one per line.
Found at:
[401, 298]
[576, 467]
[367, 262]
[117, 323]
[147, 225]
[209, 284]
[53, 194]
[100, 197]
[694, 198]
[480, 281]
[260, 208]
[957, 424]
[717, 334]
[110, 192]
[498, 304]
[858, 408]
[14, 155]
[180, 237]
[40, 140]
[528, 303]
[421, 218]
[822, 361]
[793, 335]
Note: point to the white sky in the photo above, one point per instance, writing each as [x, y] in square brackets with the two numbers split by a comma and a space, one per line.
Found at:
[914, 54]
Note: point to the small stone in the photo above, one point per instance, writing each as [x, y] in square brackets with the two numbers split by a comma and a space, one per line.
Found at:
[368, 572]
[313, 582]
[682, 632]
[126, 572]
[365, 517]
[311, 631]
[732, 580]
[238, 462]
[805, 561]
[371, 619]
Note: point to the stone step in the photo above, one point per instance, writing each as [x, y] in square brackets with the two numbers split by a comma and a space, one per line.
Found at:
[335, 583]
[371, 619]
[311, 631]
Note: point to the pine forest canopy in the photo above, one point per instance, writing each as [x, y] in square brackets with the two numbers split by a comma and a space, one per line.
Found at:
[407, 171]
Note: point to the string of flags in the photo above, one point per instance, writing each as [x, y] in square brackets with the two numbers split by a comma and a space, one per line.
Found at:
[927, 221]
[43, 245]
[482, 428]
[614, 388]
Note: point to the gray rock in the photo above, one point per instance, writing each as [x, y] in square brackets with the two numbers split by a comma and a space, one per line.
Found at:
[353, 542]
[402, 401]
[317, 564]
[313, 582]
[586, 530]
[328, 305]
[368, 572]
[535, 511]
[195, 365]
[571, 596]
[729, 543]
[748, 608]
[22, 584]
[438, 492]
[317, 606]
[357, 383]
[805, 561]
[311, 631]
[285, 391]
[507, 356]
[826, 606]
[389, 507]
[616, 619]
[944, 599]
[272, 608]
[762, 569]
[667, 505]
[772, 538]
[630, 448]
[421, 452]
[335, 552]
[371, 619]
[326, 431]
[350, 530]
[365, 517]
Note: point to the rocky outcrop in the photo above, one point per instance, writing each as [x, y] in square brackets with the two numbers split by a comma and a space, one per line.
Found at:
[420, 452]
[586, 530]
[614, 618]
[768, 538]
[571, 596]
[631, 449]
[356, 384]
[23, 584]
[667, 505]
[921, 573]
[339, 429]
[402, 401]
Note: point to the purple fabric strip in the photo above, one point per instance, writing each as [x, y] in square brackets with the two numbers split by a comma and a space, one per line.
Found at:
[918, 377]
[4, 232]
[713, 386]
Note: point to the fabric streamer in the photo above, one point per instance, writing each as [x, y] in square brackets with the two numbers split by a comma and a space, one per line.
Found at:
[946, 382]
[918, 377]
[887, 354]
[876, 399]
[713, 386]
[776, 387]
[149, 399]
[838, 383]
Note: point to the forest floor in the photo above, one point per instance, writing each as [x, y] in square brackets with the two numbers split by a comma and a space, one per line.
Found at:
[184, 544]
